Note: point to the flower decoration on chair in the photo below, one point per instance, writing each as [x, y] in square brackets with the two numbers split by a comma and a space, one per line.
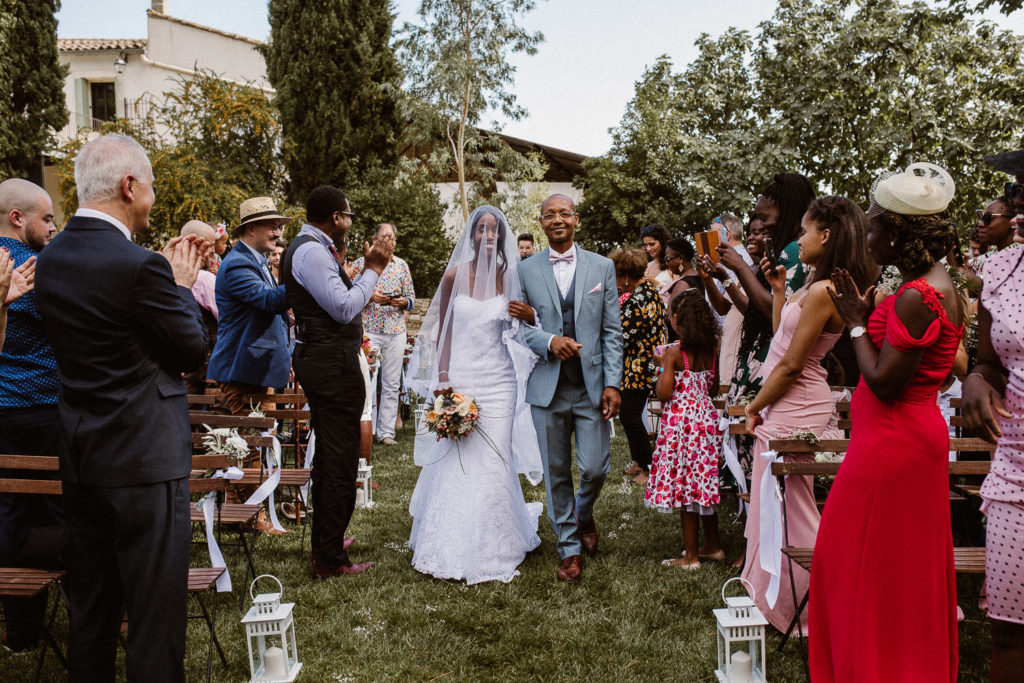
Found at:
[224, 441]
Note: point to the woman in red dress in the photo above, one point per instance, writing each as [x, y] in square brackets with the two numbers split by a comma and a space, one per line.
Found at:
[883, 592]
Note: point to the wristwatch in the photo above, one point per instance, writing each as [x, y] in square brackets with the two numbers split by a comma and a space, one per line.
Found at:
[734, 282]
[857, 331]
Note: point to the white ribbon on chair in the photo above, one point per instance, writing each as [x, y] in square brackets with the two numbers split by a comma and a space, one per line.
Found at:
[770, 527]
[208, 505]
[267, 488]
[308, 462]
[732, 460]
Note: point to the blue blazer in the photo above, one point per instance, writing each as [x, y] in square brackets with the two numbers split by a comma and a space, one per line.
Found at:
[252, 329]
[122, 332]
[598, 324]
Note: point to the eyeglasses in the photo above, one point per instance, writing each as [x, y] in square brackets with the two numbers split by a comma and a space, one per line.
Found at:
[564, 215]
[1012, 189]
[986, 218]
[346, 213]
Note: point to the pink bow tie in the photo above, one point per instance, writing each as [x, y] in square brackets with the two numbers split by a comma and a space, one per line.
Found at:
[567, 257]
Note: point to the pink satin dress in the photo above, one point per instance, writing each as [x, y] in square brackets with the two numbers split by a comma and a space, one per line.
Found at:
[806, 407]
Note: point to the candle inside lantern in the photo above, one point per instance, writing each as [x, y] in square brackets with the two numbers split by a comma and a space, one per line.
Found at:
[360, 496]
[742, 669]
[274, 664]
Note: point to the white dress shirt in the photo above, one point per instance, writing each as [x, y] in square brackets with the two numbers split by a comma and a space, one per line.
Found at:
[93, 213]
[565, 271]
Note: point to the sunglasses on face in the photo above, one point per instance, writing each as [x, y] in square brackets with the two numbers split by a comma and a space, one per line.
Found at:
[986, 217]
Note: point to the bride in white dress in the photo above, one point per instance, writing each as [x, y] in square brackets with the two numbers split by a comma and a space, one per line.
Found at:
[470, 521]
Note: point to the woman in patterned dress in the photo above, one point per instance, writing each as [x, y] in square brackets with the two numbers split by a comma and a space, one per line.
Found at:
[643, 329]
[993, 406]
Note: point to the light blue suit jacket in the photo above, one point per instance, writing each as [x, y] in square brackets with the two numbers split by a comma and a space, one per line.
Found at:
[598, 325]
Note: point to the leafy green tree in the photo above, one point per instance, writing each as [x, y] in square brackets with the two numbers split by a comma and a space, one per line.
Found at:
[336, 78]
[883, 84]
[682, 153]
[32, 107]
[836, 89]
[457, 69]
[203, 168]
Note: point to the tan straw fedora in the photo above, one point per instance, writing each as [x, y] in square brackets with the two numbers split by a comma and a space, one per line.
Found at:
[258, 209]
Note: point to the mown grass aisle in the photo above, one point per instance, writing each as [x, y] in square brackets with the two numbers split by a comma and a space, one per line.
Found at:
[629, 619]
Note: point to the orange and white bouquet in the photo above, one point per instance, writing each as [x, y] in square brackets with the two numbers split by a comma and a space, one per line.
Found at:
[453, 415]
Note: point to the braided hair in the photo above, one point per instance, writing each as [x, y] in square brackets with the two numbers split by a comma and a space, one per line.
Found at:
[792, 193]
[696, 325]
[921, 241]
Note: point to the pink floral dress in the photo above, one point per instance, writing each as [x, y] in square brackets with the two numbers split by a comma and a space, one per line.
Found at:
[684, 469]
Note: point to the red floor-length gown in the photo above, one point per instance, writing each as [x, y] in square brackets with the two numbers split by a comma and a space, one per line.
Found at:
[883, 590]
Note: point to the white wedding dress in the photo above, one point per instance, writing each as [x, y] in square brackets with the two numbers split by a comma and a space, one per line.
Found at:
[470, 521]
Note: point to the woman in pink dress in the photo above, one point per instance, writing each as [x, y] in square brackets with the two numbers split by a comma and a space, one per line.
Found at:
[998, 377]
[795, 397]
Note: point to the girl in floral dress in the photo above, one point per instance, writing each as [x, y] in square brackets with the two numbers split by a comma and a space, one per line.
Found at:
[684, 470]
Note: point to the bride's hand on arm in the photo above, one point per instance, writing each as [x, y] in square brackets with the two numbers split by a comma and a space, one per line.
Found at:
[517, 309]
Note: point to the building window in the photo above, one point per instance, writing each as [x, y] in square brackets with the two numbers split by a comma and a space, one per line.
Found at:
[104, 105]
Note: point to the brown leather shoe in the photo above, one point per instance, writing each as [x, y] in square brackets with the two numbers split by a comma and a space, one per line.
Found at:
[265, 526]
[571, 569]
[326, 571]
[588, 538]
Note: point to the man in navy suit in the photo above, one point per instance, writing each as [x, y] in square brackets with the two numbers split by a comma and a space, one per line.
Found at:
[252, 351]
[123, 325]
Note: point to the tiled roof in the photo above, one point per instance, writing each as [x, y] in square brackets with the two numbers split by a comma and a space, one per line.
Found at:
[89, 44]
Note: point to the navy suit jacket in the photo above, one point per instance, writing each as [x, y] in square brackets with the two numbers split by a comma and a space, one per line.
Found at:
[252, 328]
[122, 332]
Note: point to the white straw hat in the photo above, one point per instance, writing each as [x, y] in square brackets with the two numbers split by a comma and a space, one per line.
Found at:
[922, 189]
[258, 209]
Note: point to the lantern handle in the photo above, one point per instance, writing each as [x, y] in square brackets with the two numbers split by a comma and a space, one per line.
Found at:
[736, 578]
[264, 576]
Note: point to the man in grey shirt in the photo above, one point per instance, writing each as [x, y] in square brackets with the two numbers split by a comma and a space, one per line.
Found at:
[328, 334]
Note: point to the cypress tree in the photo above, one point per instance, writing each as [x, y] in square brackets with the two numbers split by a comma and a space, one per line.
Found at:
[32, 107]
[336, 78]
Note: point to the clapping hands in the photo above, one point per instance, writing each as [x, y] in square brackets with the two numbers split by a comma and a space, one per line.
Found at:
[15, 282]
[377, 257]
[186, 256]
[853, 307]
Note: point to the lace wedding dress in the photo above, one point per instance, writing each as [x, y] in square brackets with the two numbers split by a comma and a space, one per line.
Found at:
[470, 520]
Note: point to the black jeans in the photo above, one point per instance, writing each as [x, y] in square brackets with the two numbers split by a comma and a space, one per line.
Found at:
[333, 382]
[631, 415]
[32, 532]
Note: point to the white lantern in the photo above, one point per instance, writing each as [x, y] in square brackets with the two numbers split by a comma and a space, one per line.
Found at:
[270, 630]
[741, 630]
[364, 484]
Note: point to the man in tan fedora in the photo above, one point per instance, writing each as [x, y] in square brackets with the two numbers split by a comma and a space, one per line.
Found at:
[252, 352]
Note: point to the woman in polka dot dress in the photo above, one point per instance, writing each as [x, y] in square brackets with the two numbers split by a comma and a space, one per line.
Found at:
[993, 406]
[684, 469]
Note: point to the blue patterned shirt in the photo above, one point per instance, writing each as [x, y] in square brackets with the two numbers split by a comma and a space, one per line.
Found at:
[28, 369]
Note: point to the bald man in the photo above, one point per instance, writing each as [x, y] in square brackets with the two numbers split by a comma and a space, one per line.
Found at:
[29, 419]
[203, 291]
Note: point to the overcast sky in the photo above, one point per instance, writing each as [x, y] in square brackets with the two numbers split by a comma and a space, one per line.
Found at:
[575, 88]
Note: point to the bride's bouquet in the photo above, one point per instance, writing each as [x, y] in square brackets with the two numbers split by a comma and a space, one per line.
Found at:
[453, 416]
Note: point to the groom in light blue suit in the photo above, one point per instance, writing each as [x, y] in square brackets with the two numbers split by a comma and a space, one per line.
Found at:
[575, 386]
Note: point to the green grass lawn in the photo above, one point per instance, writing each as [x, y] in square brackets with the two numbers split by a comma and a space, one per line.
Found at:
[629, 619]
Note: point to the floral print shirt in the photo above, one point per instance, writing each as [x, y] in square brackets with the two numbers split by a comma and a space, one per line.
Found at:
[395, 280]
[643, 328]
